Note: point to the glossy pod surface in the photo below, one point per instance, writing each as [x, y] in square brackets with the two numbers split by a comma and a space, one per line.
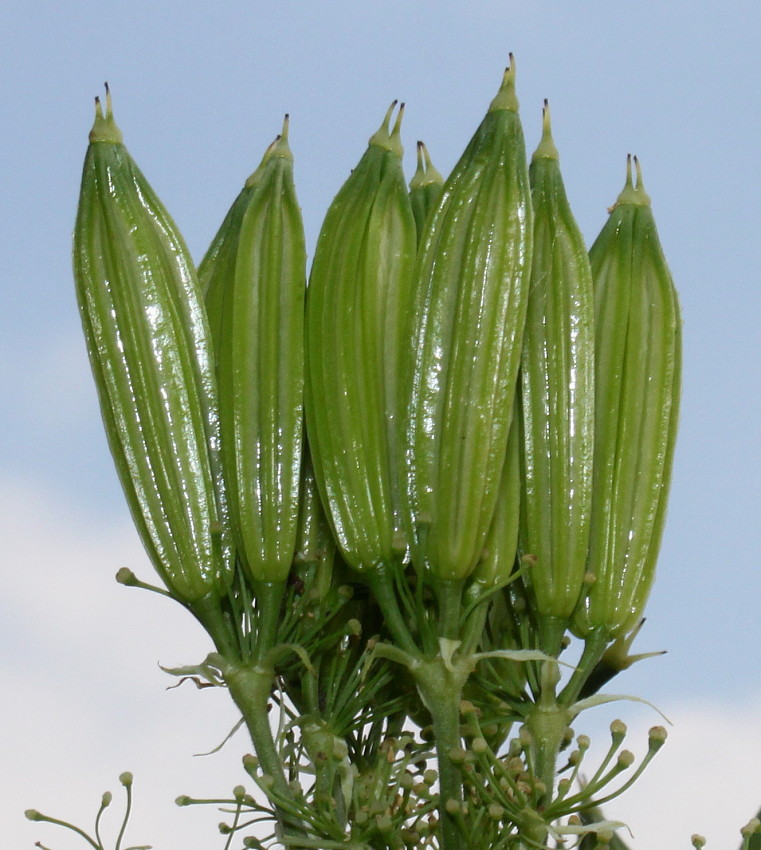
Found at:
[638, 364]
[473, 266]
[357, 308]
[255, 280]
[150, 353]
[556, 395]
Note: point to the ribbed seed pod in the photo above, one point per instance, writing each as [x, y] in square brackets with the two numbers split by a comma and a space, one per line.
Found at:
[557, 397]
[150, 352]
[425, 189]
[637, 364]
[357, 309]
[473, 266]
[255, 277]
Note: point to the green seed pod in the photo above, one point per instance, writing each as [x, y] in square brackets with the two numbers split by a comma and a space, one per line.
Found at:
[637, 366]
[255, 276]
[357, 309]
[557, 399]
[474, 264]
[150, 353]
[425, 189]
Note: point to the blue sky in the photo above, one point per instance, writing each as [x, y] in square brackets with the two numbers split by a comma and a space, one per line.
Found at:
[199, 91]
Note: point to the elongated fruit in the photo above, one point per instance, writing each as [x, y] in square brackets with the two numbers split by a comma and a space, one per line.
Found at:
[637, 363]
[357, 309]
[474, 265]
[255, 280]
[150, 352]
[557, 398]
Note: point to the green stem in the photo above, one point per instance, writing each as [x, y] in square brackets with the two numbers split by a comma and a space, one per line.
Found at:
[318, 741]
[125, 820]
[548, 727]
[250, 687]
[382, 585]
[449, 596]
[208, 611]
[473, 631]
[269, 599]
[551, 631]
[595, 645]
[441, 689]
[547, 723]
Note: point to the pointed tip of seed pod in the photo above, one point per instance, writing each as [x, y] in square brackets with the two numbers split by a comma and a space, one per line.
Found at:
[632, 193]
[104, 127]
[640, 183]
[384, 137]
[432, 175]
[425, 174]
[280, 146]
[398, 123]
[546, 148]
[419, 176]
[506, 97]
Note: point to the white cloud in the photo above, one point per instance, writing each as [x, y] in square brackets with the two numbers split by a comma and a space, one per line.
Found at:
[83, 699]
